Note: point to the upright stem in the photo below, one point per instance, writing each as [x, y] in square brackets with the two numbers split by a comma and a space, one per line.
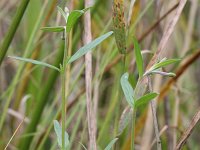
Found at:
[63, 71]
[133, 129]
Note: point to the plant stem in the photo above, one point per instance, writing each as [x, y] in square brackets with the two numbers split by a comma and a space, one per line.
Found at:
[63, 72]
[133, 129]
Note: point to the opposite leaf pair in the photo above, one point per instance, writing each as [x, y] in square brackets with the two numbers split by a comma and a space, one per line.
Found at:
[82, 51]
[70, 19]
[129, 93]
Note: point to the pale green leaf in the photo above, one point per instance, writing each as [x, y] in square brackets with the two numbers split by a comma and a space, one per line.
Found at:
[53, 29]
[35, 62]
[110, 145]
[169, 74]
[73, 17]
[138, 57]
[62, 13]
[145, 99]
[127, 89]
[164, 63]
[58, 131]
[125, 119]
[88, 47]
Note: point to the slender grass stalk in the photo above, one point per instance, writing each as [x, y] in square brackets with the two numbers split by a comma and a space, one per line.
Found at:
[13, 27]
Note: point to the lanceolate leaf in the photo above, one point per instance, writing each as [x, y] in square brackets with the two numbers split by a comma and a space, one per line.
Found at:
[138, 57]
[125, 119]
[35, 62]
[53, 29]
[169, 74]
[127, 89]
[163, 63]
[58, 131]
[110, 145]
[145, 99]
[83, 50]
[62, 13]
[73, 16]
[119, 25]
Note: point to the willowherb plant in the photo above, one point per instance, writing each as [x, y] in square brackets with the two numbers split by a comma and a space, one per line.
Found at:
[128, 91]
[70, 19]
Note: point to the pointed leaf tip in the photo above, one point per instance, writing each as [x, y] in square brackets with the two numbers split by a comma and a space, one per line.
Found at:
[110, 145]
[145, 99]
[88, 47]
[36, 62]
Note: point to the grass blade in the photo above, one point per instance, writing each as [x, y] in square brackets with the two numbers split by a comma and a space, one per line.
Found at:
[138, 57]
[35, 62]
[145, 99]
[127, 89]
[58, 131]
[83, 50]
[53, 29]
[110, 145]
[73, 16]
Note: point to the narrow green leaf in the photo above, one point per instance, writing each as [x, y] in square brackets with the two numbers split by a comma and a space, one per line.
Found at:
[73, 17]
[83, 50]
[53, 29]
[164, 63]
[58, 131]
[62, 13]
[145, 99]
[169, 74]
[110, 145]
[125, 119]
[138, 57]
[35, 62]
[127, 89]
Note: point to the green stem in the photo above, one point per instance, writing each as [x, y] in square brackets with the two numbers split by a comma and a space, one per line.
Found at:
[63, 75]
[133, 129]
[13, 27]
